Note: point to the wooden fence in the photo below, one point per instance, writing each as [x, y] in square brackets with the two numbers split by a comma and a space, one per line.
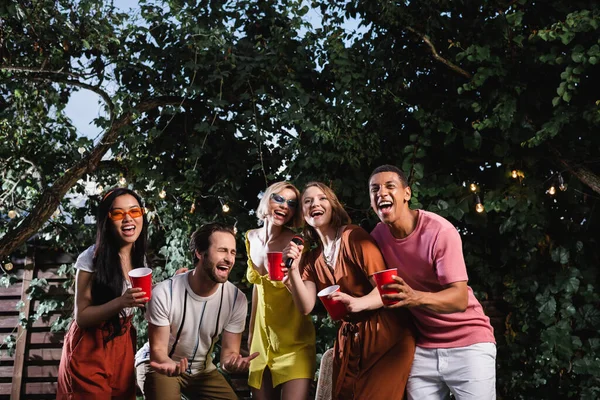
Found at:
[31, 372]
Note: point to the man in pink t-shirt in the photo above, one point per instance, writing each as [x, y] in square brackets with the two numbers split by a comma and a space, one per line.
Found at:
[456, 349]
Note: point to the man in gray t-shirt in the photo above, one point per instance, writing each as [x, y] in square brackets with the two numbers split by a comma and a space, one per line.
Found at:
[186, 316]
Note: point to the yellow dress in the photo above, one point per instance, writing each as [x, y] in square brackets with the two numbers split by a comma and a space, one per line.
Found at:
[283, 336]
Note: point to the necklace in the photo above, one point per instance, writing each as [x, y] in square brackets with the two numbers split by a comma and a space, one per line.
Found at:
[329, 256]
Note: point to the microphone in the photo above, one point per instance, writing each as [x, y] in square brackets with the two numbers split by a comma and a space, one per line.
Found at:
[298, 241]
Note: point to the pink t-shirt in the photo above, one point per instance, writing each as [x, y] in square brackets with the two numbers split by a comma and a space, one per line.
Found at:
[428, 259]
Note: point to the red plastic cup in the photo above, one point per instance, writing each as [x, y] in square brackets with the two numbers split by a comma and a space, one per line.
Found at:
[142, 278]
[274, 260]
[385, 278]
[335, 308]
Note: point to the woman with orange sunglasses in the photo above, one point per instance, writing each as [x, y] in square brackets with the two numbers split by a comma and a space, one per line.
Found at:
[98, 354]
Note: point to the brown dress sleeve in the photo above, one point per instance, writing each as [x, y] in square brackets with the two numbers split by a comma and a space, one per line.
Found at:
[307, 266]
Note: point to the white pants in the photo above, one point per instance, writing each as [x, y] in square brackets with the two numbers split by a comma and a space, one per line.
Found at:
[468, 372]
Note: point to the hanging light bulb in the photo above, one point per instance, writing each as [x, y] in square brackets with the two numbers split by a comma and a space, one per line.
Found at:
[162, 194]
[8, 266]
[551, 190]
[193, 208]
[12, 214]
[516, 174]
[478, 205]
[562, 186]
[224, 206]
[122, 181]
[473, 187]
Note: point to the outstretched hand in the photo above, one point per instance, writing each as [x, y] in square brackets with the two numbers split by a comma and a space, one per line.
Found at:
[237, 363]
[406, 296]
[170, 368]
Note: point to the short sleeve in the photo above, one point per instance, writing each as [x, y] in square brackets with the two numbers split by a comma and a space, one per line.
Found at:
[365, 252]
[85, 261]
[448, 257]
[157, 309]
[237, 322]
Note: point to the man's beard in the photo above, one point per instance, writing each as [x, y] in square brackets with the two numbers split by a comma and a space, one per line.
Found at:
[211, 272]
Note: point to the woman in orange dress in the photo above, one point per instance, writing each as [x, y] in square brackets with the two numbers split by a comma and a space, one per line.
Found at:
[97, 361]
[375, 347]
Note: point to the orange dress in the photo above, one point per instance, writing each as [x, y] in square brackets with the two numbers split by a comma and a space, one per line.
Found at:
[374, 349]
[92, 370]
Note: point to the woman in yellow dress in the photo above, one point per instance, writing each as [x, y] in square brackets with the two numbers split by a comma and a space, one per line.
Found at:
[283, 337]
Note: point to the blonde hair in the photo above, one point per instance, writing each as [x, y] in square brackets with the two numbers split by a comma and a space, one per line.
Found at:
[263, 207]
[339, 216]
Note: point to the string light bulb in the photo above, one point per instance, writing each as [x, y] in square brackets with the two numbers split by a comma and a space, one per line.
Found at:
[562, 186]
[473, 187]
[224, 206]
[12, 214]
[122, 181]
[516, 174]
[8, 266]
[162, 194]
[551, 190]
[193, 208]
[478, 205]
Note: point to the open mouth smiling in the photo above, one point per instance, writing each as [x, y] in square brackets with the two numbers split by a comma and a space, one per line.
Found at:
[384, 205]
[280, 213]
[128, 229]
[317, 213]
[223, 268]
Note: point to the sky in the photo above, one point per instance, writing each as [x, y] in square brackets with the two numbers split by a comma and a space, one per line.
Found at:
[84, 106]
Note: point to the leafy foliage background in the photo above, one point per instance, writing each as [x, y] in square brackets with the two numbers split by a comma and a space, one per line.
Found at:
[210, 101]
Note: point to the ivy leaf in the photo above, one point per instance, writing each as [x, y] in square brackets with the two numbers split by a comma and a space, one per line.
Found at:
[547, 309]
[560, 255]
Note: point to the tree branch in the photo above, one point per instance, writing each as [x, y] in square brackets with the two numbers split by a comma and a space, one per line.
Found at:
[41, 71]
[585, 175]
[66, 78]
[439, 58]
[51, 197]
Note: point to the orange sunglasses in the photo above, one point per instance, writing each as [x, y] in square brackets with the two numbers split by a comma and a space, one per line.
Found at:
[119, 214]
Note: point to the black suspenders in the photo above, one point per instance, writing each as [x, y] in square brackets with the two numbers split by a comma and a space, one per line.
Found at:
[180, 325]
[183, 321]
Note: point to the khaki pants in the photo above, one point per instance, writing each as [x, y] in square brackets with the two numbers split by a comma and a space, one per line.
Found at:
[203, 385]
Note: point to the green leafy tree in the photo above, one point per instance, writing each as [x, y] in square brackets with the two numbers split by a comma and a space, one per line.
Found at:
[205, 104]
